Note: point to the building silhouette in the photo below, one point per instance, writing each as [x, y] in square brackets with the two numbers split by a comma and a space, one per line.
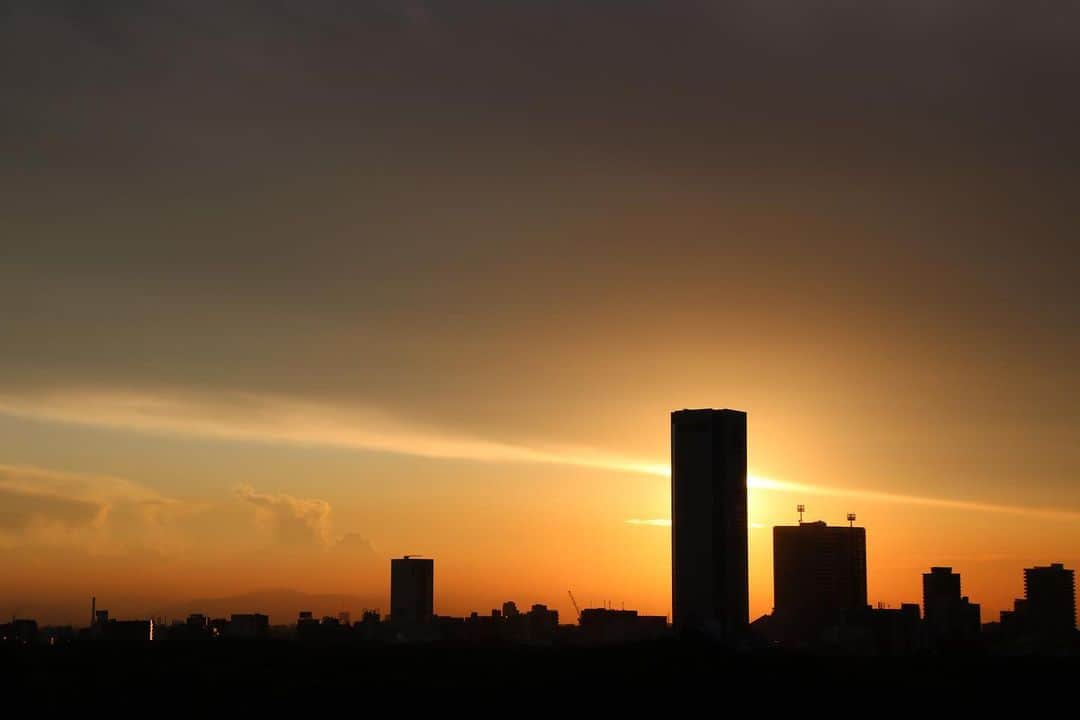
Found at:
[541, 623]
[197, 623]
[1044, 620]
[128, 631]
[1050, 593]
[412, 587]
[248, 625]
[601, 626]
[896, 631]
[951, 620]
[709, 561]
[21, 631]
[819, 576]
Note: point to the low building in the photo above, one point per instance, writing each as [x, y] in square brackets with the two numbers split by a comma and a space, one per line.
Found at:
[248, 625]
[601, 626]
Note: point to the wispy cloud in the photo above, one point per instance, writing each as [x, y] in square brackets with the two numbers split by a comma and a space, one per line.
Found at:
[761, 483]
[666, 523]
[272, 419]
[755, 482]
[262, 418]
[82, 486]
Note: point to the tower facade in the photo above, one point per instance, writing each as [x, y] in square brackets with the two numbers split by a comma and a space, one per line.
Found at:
[1050, 592]
[951, 618]
[412, 589]
[819, 572]
[709, 556]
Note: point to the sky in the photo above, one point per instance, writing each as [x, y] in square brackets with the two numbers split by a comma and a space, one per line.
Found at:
[287, 290]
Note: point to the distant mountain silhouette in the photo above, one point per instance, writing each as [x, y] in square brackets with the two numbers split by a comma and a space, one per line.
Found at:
[281, 604]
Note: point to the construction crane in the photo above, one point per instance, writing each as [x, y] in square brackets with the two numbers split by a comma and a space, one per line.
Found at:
[576, 608]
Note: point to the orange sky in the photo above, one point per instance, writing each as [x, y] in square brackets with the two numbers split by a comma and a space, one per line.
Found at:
[499, 529]
[286, 294]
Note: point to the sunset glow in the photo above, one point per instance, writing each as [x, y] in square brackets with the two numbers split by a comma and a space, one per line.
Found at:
[285, 294]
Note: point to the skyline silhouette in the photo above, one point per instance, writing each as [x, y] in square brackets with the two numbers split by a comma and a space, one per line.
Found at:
[795, 565]
[290, 290]
[820, 608]
[820, 589]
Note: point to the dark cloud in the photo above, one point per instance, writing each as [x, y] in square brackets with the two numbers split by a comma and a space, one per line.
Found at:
[400, 201]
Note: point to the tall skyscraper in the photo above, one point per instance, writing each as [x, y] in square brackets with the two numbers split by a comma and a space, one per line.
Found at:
[412, 587]
[950, 618]
[709, 562]
[1051, 599]
[819, 573]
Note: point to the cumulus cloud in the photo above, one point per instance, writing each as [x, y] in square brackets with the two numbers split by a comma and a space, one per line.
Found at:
[354, 544]
[100, 514]
[97, 512]
[293, 521]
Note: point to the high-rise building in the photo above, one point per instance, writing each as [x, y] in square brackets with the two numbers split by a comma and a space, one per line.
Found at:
[412, 587]
[819, 573]
[1051, 600]
[709, 562]
[950, 618]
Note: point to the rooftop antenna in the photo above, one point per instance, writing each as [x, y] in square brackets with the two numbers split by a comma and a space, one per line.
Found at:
[851, 519]
[801, 509]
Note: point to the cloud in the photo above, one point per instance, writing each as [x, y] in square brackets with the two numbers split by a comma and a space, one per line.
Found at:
[761, 483]
[41, 508]
[653, 522]
[105, 488]
[261, 418]
[267, 418]
[294, 521]
[354, 544]
[20, 510]
[755, 482]
[666, 523]
[97, 512]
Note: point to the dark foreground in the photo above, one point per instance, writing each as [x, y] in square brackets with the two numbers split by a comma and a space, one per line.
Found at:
[276, 674]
